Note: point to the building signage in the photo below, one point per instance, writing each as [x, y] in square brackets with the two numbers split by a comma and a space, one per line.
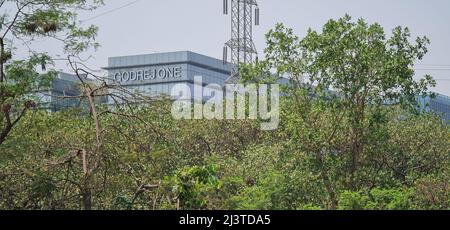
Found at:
[160, 73]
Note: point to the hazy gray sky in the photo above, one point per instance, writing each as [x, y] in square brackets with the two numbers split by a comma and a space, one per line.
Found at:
[198, 25]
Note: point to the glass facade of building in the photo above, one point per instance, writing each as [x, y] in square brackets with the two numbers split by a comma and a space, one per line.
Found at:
[440, 104]
[65, 92]
[155, 75]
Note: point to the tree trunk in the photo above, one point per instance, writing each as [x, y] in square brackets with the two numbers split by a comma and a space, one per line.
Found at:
[356, 150]
[4, 133]
[327, 183]
[330, 190]
[87, 199]
[2, 51]
[86, 191]
[6, 129]
[358, 135]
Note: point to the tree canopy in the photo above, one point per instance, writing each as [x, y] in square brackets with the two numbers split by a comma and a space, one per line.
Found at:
[348, 138]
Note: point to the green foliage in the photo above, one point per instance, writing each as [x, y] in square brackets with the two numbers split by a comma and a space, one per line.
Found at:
[276, 170]
[263, 196]
[192, 186]
[377, 199]
[433, 192]
[149, 161]
[21, 78]
[357, 60]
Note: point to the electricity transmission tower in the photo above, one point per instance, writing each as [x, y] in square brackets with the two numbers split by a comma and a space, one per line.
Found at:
[242, 47]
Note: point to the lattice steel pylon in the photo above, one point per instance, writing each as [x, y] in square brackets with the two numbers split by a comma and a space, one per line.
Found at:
[242, 47]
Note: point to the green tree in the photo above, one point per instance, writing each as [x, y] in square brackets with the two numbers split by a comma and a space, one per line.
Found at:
[23, 21]
[139, 157]
[341, 80]
[360, 63]
[365, 68]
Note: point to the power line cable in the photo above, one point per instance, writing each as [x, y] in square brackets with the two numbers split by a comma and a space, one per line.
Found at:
[431, 69]
[434, 65]
[437, 77]
[110, 11]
